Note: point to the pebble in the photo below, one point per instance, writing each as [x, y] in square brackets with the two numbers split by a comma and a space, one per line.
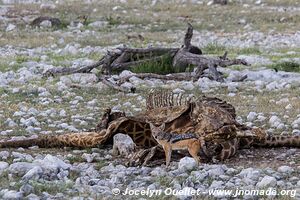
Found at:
[267, 181]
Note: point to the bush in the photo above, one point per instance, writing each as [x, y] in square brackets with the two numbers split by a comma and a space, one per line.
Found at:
[287, 66]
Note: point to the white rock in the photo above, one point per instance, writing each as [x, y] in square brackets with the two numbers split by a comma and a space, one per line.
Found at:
[199, 175]
[285, 169]
[177, 90]
[127, 85]
[187, 163]
[20, 168]
[158, 171]
[288, 107]
[92, 102]
[188, 85]
[216, 171]
[267, 181]
[12, 194]
[9, 122]
[33, 174]
[216, 184]
[3, 165]
[46, 24]
[274, 121]
[261, 118]
[10, 27]
[98, 24]
[123, 145]
[251, 116]
[22, 156]
[4, 155]
[51, 164]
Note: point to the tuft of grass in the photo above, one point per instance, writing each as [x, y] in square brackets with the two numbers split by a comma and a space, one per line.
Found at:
[164, 181]
[21, 59]
[163, 66]
[76, 159]
[50, 187]
[100, 164]
[113, 21]
[287, 66]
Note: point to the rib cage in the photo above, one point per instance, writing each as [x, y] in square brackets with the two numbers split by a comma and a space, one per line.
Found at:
[166, 98]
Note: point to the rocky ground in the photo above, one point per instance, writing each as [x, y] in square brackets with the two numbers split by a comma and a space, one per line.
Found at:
[264, 33]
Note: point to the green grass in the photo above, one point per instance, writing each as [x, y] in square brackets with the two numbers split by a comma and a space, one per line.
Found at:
[164, 66]
[53, 187]
[286, 66]
[164, 181]
[100, 164]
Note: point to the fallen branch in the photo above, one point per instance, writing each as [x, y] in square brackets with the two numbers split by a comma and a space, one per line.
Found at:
[125, 58]
[185, 58]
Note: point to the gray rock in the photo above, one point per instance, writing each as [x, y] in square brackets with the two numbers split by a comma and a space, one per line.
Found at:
[10, 123]
[22, 156]
[3, 165]
[32, 197]
[52, 164]
[274, 121]
[188, 85]
[267, 181]
[158, 171]
[34, 173]
[199, 176]
[251, 116]
[11, 195]
[26, 189]
[20, 168]
[216, 184]
[187, 163]
[4, 155]
[123, 145]
[285, 169]
[216, 171]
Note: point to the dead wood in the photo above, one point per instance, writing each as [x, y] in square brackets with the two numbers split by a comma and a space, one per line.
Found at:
[182, 58]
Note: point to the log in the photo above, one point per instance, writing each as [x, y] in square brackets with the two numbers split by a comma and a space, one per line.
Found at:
[184, 58]
[125, 58]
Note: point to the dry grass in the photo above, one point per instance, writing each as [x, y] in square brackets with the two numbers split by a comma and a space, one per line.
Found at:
[152, 21]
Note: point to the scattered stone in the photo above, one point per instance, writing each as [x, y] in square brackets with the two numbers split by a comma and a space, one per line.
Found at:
[123, 145]
[285, 169]
[187, 163]
[267, 181]
[10, 27]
